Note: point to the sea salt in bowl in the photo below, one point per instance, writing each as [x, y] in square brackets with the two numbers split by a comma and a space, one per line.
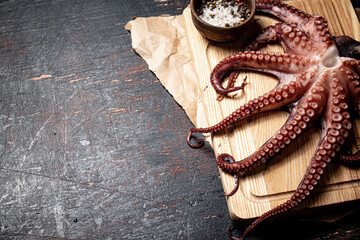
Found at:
[222, 23]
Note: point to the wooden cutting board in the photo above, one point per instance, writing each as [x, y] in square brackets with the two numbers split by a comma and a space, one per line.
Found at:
[275, 183]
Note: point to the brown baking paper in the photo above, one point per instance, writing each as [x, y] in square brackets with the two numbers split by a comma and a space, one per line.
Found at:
[162, 43]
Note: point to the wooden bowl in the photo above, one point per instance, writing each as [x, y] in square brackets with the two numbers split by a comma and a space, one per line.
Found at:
[222, 34]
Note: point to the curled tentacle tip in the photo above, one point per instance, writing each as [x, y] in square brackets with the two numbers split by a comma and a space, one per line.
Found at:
[230, 88]
[230, 193]
[199, 142]
[236, 187]
[226, 158]
[220, 97]
[244, 82]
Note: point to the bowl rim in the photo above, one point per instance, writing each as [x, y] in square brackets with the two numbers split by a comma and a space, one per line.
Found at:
[252, 13]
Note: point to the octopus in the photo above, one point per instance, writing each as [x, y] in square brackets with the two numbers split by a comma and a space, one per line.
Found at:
[318, 82]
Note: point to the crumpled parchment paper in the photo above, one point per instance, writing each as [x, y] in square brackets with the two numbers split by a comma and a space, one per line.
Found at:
[162, 43]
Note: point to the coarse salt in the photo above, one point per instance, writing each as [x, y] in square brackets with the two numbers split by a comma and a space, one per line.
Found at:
[223, 14]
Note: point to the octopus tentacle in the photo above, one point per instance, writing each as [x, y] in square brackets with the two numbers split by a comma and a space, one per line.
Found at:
[199, 142]
[314, 26]
[270, 33]
[291, 38]
[329, 145]
[285, 12]
[304, 115]
[352, 159]
[353, 82]
[236, 178]
[236, 187]
[258, 61]
[231, 83]
[281, 96]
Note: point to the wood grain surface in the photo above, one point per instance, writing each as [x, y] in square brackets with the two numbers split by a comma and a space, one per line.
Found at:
[273, 185]
[93, 147]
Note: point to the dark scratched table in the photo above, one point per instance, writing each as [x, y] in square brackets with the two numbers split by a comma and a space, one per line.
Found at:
[93, 147]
